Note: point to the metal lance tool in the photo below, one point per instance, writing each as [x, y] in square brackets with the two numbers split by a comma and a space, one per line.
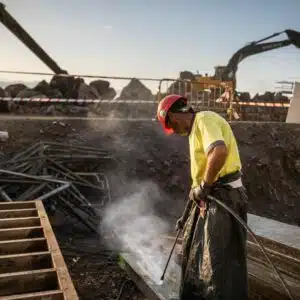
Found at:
[170, 255]
[184, 218]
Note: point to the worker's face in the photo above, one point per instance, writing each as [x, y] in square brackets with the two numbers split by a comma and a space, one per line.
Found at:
[175, 121]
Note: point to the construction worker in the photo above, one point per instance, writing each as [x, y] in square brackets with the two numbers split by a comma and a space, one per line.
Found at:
[214, 243]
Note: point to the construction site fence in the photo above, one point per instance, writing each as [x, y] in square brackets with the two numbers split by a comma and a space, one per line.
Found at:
[138, 101]
[210, 97]
[200, 96]
[243, 111]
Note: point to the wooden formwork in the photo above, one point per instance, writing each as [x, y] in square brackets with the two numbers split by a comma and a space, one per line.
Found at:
[31, 264]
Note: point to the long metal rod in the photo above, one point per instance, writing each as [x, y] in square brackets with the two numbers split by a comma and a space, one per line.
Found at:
[53, 192]
[5, 196]
[77, 156]
[75, 150]
[77, 214]
[74, 146]
[38, 178]
[27, 151]
[72, 174]
[28, 194]
[170, 255]
[15, 28]
[20, 180]
[83, 75]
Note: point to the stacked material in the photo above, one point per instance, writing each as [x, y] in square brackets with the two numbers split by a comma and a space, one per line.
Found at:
[46, 171]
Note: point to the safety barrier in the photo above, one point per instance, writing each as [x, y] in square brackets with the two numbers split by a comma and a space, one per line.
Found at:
[192, 102]
[60, 100]
[220, 97]
[204, 95]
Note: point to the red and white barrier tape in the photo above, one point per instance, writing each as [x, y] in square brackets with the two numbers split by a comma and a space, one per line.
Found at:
[267, 104]
[59, 100]
[199, 102]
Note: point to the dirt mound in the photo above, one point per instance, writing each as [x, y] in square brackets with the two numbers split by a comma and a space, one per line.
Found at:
[136, 90]
[271, 161]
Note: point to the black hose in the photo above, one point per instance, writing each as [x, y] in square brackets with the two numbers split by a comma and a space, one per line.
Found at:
[122, 288]
[244, 224]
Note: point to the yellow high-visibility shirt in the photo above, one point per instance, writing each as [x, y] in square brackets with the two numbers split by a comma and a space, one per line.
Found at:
[208, 130]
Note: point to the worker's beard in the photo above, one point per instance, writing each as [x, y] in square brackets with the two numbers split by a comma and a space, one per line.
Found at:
[180, 130]
[183, 133]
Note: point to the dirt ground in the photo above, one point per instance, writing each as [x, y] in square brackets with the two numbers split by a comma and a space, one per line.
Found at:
[271, 160]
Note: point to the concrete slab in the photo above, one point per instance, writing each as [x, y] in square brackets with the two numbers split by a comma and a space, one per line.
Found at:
[262, 279]
[283, 233]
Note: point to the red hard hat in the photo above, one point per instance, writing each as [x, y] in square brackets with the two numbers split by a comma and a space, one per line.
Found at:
[163, 108]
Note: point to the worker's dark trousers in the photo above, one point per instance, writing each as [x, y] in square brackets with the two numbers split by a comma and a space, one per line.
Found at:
[214, 251]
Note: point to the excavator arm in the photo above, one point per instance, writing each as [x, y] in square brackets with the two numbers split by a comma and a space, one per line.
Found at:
[12, 25]
[230, 70]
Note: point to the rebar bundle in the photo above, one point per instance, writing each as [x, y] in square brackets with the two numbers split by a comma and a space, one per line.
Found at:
[41, 172]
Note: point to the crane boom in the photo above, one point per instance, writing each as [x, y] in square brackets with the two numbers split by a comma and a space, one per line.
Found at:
[228, 73]
[12, 25]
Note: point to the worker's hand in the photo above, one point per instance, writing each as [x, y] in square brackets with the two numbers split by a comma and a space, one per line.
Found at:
[179, 224]
[200, 192]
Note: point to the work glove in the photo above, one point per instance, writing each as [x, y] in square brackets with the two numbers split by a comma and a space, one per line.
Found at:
[181, 222]
[200, 192]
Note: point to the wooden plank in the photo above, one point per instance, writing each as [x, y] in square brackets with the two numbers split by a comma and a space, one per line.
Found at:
[28, 282]
[17, 205]
[21, 233]
[23, 246]
[260, 290]
[277, 246]
[287, 264]
[25, 262]
[48, 295]
[20, 222]
[264, 280]
[17, 213]
[65, 282]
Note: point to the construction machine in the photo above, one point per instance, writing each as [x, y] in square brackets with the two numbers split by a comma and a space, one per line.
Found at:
[225, 76]
[67, 84]
[12, 25]
[228, 73]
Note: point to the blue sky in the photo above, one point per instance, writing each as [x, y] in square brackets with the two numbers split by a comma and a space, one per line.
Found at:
[153, 38]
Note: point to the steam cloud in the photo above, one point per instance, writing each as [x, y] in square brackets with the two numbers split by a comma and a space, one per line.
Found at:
[138, 228]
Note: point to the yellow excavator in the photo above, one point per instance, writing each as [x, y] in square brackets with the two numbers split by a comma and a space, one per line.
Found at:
[225, 76]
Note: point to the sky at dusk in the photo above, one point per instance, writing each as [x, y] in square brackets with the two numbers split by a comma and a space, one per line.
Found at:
[139, 38]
